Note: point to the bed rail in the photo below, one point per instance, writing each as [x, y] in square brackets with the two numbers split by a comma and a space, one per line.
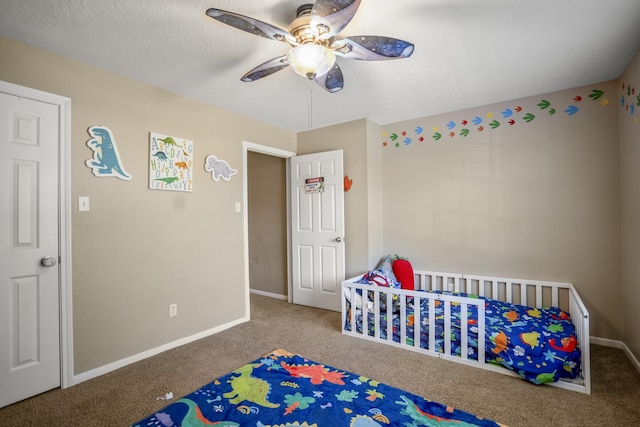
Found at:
[532, 293]
[373, 296]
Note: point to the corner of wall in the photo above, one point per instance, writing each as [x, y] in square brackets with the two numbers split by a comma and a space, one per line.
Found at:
[629, 135]
[374, 192]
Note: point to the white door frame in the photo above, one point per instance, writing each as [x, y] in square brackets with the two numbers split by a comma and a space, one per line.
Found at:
[64, 211]
[271, 151]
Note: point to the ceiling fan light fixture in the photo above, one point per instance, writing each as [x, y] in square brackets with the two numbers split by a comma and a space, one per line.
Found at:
[314, 41]
[311, 60]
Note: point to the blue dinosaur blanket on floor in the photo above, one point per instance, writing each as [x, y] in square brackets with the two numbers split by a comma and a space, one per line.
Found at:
[284, 389]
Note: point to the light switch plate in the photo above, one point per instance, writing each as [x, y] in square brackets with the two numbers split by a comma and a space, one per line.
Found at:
[83, 204]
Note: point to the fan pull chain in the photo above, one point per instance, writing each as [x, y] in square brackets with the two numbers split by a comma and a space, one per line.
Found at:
[310, 106]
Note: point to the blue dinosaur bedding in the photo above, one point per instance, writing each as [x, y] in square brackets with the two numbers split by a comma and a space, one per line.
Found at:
[539, 345]
[284, 389]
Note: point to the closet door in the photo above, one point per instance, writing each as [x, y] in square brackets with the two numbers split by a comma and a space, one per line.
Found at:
[317, 229]
[29, 248]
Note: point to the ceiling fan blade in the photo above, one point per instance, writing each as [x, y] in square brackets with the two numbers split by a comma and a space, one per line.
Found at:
[266, 69]
[331, 81]
[250, 25]
[372, 48]
[334, 14]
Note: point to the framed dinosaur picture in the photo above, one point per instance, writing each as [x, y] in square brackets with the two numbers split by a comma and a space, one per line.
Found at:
[170, 163]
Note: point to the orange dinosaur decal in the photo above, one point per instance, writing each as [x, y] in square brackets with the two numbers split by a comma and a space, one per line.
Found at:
[501, 342]
[316, 373]
[280, 352]
[568, 344]
[561, 316]
[512, 316]
[347, 183]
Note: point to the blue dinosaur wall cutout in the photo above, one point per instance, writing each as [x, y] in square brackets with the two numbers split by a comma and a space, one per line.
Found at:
[106, 160]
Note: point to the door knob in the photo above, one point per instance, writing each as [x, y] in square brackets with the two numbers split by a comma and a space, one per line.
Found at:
[338, 239]
[48, 261]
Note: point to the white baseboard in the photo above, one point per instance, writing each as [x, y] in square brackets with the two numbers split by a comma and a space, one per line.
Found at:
[606, 342]
[94, 373]
[617, 344]
[268, 294]
[631, 356]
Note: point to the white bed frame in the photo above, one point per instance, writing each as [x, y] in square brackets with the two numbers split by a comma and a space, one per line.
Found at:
[531, 293]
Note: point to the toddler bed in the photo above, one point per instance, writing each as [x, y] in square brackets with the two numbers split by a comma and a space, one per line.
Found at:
[538, 330]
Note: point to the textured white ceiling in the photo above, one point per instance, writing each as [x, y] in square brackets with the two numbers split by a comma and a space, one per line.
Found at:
[467, 52]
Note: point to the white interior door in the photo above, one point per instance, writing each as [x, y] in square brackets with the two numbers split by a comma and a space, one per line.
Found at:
[29, 290]
[317, 229]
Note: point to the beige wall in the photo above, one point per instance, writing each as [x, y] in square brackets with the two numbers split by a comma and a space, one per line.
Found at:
[538, 199]
[630, 183]
[374, 195]
[139, 250]
[359, 142]
[266, 187]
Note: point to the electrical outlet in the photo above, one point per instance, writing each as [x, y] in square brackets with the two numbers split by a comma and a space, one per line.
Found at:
[173, 310]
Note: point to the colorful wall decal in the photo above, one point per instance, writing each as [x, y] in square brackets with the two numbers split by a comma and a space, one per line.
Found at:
[630, 100]
[348, 182]
[170, 163]
[218, 168]
[509, 116]
[106, 159]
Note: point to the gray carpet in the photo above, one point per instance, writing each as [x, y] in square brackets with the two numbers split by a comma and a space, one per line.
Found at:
[129, 394]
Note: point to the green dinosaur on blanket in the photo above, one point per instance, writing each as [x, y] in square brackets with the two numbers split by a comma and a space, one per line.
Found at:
[251, 389]
[421, 418]
[194, 417]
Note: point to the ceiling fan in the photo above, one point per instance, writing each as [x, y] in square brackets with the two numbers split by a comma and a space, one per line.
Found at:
[315, 45]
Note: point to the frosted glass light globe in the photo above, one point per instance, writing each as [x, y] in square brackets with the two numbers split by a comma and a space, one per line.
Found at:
[311, 60]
